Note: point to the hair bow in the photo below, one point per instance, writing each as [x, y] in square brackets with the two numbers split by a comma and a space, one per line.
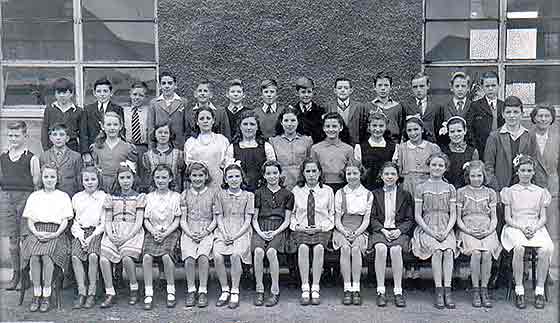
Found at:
[466, 165]
[130, 165]
[517, 159]
[443, 129]
[413, 116]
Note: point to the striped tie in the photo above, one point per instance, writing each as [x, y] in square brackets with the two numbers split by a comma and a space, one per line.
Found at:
[136, 133]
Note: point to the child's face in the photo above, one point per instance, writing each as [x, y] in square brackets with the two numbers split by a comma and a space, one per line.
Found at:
[49, 178]
[234, 178]
[167, 85]
[389, 176]
[235, 94]
[271, 175]
[525, 173]
[58, 138]
[16, 138]
[476, 177]
[126, 179]
[270, 94]
[311, 174]
[543, 119]
[343, 90]
[414, 132]
[63, 97]
[490, 87]
[456, 133]
[162, 179]
[289, 123]
[460, 87]
[377, 128]
[90, 182]
[112, 126]
[202, 94]
[198, 179]
[420, 88]
[305, 95]
[162, 135]
[437, 167]
[205, 121]
[383, 87]
[102, 93]
[137, 96]
[512, 116]
[332, 128]
[248, 127]
[352, 175]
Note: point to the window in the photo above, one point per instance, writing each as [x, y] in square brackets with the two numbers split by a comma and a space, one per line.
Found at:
[518, 39]
[82, 40]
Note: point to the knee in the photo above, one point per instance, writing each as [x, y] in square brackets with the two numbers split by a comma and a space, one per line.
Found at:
[202, 260]
[318, 250]
[219, 259]
[271, 253]
[356, 252]
[303, 248]
[167, 259]
[259, 253]
[92, 257]
[76, 260]
[345, 251]
[381, 249]
[519, 251]
[145, 259]
[396, 251]
[544, 252]
[448, 254]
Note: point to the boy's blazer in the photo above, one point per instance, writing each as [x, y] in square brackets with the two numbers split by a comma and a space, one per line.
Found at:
[357, 120]
[479, 120]
[445, 112]
[428, 117]
[94, 119]
[69, 167]
[404, 209]
[176, 115]
[545, 174]
[311, 122]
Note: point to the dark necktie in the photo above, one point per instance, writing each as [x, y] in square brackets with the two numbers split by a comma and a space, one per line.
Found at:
[419, 104]
[460, 105]
[136, 133]
[310, 209]
[494, 116]
[234, 109]
[268, 108]
[343, 106]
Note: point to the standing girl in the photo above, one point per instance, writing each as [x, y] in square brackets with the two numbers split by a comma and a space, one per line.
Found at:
[458, 151]
[233, 237]
[161, 220]
[477, 237]
[47, 212]
[376, 151]
[124, 234]
[525, 216]
[206, 145]
[199, 208]
[88, 227]
[163, 152]
[249, 146]
[273, 207]
[110, 149]
[352, 213]
[436, 213]
[311, 225]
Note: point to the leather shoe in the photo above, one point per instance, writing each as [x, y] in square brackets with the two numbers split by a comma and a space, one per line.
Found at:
[485, 299]
[45, 305]
[400, 301]
[222, 301]
[272, 300]
[347, 299]
[305, 299]
[315, 298]
[202, 300]
[79, 302]
[133, 297]
[108, 302]
[476, 297]
[190, 300]
[148, 303]
[233, 304]
[520, 301]
[356, 298]
[439, 303]
[90, 301]
[539, 302]
[35, 303]
[259, 299]
[447, 297]
[381, 300]
[172, 302]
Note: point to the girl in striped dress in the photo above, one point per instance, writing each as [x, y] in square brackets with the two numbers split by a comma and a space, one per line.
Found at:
[47, 212]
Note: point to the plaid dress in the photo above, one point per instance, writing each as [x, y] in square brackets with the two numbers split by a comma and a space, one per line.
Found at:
[161, 211]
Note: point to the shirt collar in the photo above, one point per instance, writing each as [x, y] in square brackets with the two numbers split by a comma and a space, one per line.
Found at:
[235, 193]
[455, 100]
[272, 107]
[239, 108]
[298, 136]
[519, 187]
[175, 97]
[422, 101]
[71, 107]
[315, 189]
[336, 143]
[195, 192]
[381, 144]
[347, 189]
[210, 105]
[345, 102]
[422, 145]
[167, 152]
[491, 103]
[513, 135]
[392, 189]
[306, 107]
[102, 105]
[377, 100]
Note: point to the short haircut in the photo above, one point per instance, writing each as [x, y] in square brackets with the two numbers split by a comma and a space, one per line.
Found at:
[18, 125]
[420, 75]
[49, 166]
[513, 101]
[168, 74]
[475, 164]
[232, 166]
[457, 75]
[342, 79]
[352, 162]
[91, 170]
[58, 126]
[167, 168]
[301, 181]
[196, 166]
[103, 81]
[235, 82]
[543, 107]
[304, 83]
[288, 110]
[334, 116]
[139, 85]
[172, 134]
[62, 85]
[268, 83]
[207, 83]
[383, 75]
[438, 154]
[489, 75]
[390, 164]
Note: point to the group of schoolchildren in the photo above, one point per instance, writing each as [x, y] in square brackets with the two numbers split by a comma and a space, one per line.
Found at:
[133, 184]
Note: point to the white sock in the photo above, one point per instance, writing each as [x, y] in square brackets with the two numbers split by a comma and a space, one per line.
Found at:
[148, 299]
[47, 291]
[315, 288]
[234, 297]
[192, 289]
[519, 290]
[202, 290]
[92, 289]
[110, 291]
[397, 291]
[539, 290]
[149, 291]
[170, 289]
[234, 291]
[356, 286]
[225, 289]
[380, 289]
[348, 287]
[305, 288]
[37, 291]
[133, 286]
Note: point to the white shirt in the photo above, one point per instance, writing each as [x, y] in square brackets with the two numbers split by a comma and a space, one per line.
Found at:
[514, 135]
[390, 208]
[541, 141]
[70, 107]
[492, 103]
[168, 102]
[268, 150]
[422, 103]
[272, 108]
[102, 106]
[49, 207]
[373, 144]
[89, 212]
[143, 115]
[455, 101]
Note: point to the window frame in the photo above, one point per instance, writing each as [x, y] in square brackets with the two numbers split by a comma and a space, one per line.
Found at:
[78, 63]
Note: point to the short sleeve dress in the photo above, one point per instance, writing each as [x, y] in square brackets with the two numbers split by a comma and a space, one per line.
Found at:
[290, 153]
[454, 173]
[161, 211]
[412, 163]
[199, 208]
[235, 207]
[354, 205]
[526, 203]
[124, 209]
[90, 216]
[272, 208]
[212, 150]
[476, 205]
[108, 159]
[436, 198]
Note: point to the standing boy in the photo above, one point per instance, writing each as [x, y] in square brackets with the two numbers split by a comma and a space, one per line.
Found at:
[203, 95]
[310, 113]
[169, 108]
[423, 105]
[235, 95]
[63, 110]
[19, 177]
[458, 105]
[391, 108]
[269, 112]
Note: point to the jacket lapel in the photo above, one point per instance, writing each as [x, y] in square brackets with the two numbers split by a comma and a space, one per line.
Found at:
[485, 108]
[352, 106]
[504, 138]
[399, 201]
[380, 198]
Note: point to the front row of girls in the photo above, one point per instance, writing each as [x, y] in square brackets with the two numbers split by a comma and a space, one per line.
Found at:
[211, 224]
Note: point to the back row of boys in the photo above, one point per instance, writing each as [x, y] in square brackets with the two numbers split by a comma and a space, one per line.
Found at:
[483, 115]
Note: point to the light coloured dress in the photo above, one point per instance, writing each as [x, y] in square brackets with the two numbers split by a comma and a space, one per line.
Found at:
[89, 220]
[235, 207]
[290, 154]
[412, 163]
[211, 149]
[526, 203]
[161, 211]
[124, 210]
[436, 198]
[354, 205]
[476, 205]
[199, 208]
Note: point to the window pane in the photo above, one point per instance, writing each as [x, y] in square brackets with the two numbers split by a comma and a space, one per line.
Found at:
[461, 8]
[533, 8]
[38, 40]
[37, 9]
[534, 84]
[122, 79]
[32, 85]
[531, 39]
[454, 41]
[132, 41]
[118, 9]
[440, 77]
